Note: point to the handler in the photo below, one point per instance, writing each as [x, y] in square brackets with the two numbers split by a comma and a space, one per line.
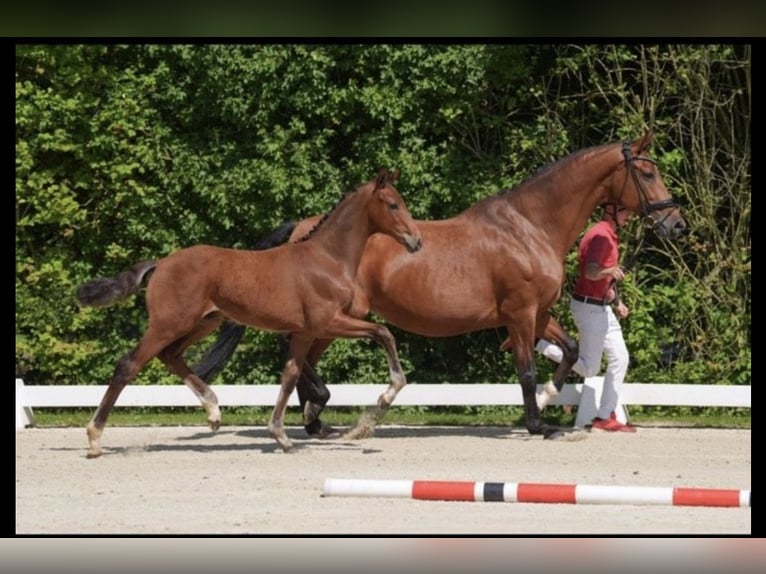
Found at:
[597, 308]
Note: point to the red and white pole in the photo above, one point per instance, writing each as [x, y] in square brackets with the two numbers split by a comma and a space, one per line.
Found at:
[536, 492]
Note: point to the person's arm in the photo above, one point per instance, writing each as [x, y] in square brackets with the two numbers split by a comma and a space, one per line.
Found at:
[594, 272]
[620, 309]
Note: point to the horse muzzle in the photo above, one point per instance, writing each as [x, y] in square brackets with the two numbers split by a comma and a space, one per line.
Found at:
[413, 243]
[668, 224]
[670, 227]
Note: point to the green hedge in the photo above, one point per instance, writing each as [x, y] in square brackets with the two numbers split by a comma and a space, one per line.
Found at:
[127, 152]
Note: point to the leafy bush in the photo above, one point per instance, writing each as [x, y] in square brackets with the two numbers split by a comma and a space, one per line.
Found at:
[128, 152]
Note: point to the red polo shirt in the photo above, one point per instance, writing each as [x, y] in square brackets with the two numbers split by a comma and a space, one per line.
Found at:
[598, 245]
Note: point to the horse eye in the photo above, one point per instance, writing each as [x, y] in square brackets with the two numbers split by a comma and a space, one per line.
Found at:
[393, 206]
[647, 175]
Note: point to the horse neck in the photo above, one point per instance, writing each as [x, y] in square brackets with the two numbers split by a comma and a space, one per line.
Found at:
[343, 234]
[561, 200]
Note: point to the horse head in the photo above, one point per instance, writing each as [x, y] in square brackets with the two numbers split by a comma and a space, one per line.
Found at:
[389, 214]
[643, 191]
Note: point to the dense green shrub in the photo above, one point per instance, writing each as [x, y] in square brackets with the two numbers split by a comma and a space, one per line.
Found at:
[128, 152]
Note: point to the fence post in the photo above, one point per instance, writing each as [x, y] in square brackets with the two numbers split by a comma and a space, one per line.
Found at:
[24, 415]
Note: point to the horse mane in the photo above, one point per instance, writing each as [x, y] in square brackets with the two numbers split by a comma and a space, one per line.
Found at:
[383, 177]
[311, 231]
[543, 171]
[319, 223]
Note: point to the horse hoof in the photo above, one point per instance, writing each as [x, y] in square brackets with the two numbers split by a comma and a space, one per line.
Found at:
[287, 445]
[553, 434]
[318, 429]
[575, 435]
[214, 425]
[93, 454]
[326, 431]
[359, 433]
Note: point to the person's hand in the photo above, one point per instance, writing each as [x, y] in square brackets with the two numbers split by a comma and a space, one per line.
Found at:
[621, 310]
[617, 273]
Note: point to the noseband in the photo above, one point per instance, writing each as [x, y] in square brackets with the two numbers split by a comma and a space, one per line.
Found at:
[647, 207]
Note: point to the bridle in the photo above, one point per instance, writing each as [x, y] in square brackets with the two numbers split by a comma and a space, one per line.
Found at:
[647, 207]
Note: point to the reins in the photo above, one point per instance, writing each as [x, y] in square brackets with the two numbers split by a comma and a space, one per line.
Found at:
[647, 208]
[630, 262]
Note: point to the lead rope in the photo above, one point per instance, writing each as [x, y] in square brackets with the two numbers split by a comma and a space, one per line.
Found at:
[627, 266]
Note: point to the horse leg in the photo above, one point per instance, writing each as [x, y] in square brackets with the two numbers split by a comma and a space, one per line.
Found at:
[565, 353]
[125, 371]
[524, 355]
[172, 357]
[313, 393]
[296, 358]
[207, 398]
[349, 327]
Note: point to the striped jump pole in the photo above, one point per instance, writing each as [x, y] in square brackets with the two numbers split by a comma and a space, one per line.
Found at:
[535, 492]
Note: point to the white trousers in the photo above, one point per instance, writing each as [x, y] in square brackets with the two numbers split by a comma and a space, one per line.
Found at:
[600, 334]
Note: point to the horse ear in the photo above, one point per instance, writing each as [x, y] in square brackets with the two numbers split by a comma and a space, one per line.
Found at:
[394, 175]
[380, 181]
[644, 143]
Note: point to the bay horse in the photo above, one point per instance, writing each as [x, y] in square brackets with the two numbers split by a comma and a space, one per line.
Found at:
[304, 288]
[499, 263]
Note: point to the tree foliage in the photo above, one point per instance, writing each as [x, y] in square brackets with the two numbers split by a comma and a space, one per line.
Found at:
[128, 152]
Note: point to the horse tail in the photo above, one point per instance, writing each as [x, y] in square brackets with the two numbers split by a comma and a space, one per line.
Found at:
[220, 352]
[105, 291]
[276, 237]
[215, 356]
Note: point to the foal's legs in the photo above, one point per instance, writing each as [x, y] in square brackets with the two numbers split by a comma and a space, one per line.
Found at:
[296, 358]
[172, 356]
[313, 393]
[126, 370]
[348, 327]
[169, 350]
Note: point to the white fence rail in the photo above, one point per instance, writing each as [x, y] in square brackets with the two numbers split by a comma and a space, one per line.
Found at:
[584, 395]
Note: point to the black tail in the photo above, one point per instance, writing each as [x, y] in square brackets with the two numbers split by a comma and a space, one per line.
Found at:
[105, 291]
[216, 356]
[220, 352]
[276, 237]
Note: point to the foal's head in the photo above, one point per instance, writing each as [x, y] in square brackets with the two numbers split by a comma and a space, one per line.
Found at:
[643, 191]
[388, 213]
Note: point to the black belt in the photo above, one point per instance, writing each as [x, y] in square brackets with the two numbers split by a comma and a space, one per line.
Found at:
[590, 300]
